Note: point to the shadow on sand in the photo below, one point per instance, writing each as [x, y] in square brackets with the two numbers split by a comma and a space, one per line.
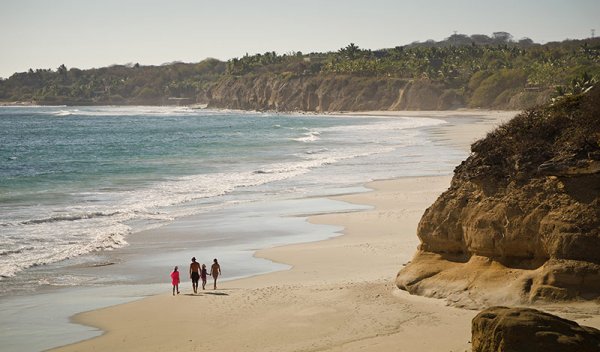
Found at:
[216, 293]
[199, 294]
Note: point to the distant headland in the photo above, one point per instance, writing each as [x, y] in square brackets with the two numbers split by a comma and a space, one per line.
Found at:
[462, 71]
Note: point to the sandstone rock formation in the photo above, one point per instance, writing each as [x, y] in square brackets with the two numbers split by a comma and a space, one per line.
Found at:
[521, 219]
[522, 329]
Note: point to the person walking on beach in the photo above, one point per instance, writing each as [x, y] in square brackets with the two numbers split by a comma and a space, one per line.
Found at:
[203, 274]
[175, 280]
[195, 274]
[215, 271]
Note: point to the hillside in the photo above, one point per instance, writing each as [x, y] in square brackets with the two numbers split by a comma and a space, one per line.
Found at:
[475, 71]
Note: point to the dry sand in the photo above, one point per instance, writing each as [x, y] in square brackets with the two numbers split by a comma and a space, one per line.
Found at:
[339, 295]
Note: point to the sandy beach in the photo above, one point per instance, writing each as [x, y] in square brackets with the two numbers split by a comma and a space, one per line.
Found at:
[339, 294]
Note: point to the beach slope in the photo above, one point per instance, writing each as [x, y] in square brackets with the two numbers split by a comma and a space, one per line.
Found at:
[339, 295]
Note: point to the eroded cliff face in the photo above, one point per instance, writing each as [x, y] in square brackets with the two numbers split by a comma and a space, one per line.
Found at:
[329, 93]
[521, 220]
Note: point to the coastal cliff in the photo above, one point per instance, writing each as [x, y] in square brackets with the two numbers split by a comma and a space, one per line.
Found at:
[521, 220]
[330, 93]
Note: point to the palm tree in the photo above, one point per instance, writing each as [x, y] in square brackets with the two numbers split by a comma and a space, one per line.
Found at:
[350, 52]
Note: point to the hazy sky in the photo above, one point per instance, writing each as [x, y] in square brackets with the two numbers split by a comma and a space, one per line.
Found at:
[96, 33]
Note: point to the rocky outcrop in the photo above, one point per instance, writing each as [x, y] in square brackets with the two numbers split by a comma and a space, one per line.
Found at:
[329, 93]
[522, 329]
[521, 219]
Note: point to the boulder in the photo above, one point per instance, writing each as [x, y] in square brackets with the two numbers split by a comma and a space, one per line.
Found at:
[523, 329]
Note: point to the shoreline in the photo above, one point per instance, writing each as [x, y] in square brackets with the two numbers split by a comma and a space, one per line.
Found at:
[339, 294]
[204, 106]
[315, 298]
[360, 269]
[325, 302]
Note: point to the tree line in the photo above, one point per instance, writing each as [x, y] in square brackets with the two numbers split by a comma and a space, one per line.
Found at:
[478, 68]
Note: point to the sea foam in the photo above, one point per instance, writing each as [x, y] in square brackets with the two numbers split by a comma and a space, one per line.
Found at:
[218, 158]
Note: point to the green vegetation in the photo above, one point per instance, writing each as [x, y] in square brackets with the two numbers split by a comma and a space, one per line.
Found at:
[118, 84]
[562, 134]
[479, 70]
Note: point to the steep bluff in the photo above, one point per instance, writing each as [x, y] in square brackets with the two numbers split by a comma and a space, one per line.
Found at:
[329, 93]
[521, 219]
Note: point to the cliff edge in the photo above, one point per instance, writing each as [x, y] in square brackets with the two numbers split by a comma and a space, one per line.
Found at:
[520, 222]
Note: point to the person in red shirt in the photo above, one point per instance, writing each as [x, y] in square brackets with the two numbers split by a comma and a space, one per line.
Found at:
[175, 280]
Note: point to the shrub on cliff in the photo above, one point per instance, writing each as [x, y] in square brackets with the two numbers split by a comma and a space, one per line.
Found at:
[566, 130]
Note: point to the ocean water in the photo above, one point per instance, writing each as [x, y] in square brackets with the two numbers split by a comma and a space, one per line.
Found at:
[80, 180]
